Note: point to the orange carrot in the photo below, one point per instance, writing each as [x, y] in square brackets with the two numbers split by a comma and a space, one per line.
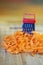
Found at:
[24, 42]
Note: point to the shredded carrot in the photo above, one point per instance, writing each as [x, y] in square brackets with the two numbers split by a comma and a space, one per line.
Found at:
[24, 42]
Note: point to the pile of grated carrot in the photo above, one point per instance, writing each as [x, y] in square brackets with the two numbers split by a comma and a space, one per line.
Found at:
[24, 42]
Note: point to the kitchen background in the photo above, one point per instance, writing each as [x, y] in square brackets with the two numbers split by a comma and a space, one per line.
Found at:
[12, 13]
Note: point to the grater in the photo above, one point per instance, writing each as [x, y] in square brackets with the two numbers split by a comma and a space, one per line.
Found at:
[28, 23]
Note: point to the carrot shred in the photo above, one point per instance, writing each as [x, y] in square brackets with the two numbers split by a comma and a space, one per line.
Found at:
[24, 42]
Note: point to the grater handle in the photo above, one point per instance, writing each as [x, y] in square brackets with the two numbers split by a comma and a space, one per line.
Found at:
[29, 15]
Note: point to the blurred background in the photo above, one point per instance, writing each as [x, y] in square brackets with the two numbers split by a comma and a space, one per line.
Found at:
[12, 11]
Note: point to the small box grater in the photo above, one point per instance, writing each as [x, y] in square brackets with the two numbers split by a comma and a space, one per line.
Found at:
[29, 23]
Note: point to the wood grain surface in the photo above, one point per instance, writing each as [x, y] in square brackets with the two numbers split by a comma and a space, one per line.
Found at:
[19, 59]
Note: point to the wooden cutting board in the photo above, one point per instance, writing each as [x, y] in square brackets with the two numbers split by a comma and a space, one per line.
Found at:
[19, 59]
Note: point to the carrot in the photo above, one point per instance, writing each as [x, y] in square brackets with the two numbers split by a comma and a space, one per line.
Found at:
[24, 42]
